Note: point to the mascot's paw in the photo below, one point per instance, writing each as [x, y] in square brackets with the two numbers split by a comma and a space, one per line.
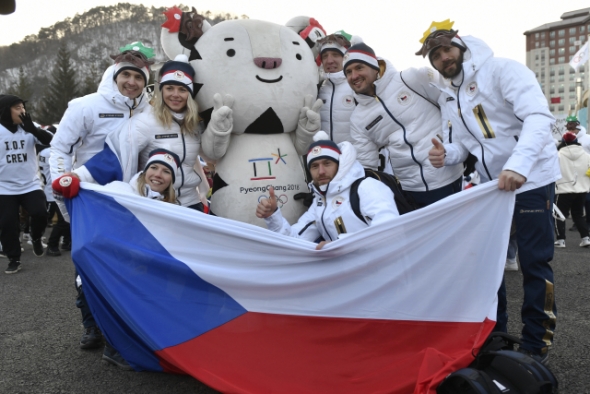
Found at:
[66, 185]
[309, 116]
[222, 118]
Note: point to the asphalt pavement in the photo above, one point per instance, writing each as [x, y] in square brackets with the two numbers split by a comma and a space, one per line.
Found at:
[40, 330]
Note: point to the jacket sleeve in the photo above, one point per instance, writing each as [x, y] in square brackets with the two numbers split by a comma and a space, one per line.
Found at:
[305, 228]
[367, 152]
[421, 81]
[73, 128]
[376, 201]
[519, 88]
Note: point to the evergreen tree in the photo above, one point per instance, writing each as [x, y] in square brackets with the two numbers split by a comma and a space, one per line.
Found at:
[23, 89]
[90, 83]
[61, 89]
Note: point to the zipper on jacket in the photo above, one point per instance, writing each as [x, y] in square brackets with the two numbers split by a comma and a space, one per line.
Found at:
[324, 211]
[450, 132]
[405, 140]
[182, 162]
[483, 161]
[331, 108]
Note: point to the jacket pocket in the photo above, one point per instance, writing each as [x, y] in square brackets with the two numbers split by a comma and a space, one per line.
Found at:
[483, 121]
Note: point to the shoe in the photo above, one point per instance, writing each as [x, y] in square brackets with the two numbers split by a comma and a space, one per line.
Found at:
[511, 265]
[585, 242]
[53, 251]
[114, 357]
[13, 267]
[560, 243]
[38, 247]
[42, 242]
[26, 237]
[66, 246]
[542, 358]
[92, 338]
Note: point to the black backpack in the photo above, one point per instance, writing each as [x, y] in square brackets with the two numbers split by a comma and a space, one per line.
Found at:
[499, 369]
[403, 202]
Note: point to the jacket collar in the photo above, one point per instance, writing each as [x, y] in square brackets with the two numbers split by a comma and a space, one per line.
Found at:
[349, 170]
[109, 90]
[386, 75]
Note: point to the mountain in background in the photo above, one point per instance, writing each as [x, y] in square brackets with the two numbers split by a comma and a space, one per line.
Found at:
[90, 38]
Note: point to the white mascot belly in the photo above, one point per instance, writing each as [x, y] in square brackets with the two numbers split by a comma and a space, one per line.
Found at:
[258, 81]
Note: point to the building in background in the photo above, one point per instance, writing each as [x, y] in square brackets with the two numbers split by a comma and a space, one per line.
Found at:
[549, 49]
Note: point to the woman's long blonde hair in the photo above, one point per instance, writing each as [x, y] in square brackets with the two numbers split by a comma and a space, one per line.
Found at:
[169, 194]
[162, 112]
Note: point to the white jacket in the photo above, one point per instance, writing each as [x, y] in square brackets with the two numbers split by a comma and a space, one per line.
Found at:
[573, 162]
[331, 215]
[44, 171]
[135, 140]
[405, 123]
[86, 123]
[499, 114]
[339, 103]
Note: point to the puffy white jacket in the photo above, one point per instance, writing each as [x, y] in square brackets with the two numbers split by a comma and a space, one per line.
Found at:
[339, 103]
[405, 123]
[45, 172]
[573, 162]
[499, 114]
[331, 215]
[583, 138]
[132, 144]
[86, 123]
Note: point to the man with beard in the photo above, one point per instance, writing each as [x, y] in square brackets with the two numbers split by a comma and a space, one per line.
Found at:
[398, 111]
[496, 110]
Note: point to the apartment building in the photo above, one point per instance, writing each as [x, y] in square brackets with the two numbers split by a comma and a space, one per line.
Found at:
[549, 49]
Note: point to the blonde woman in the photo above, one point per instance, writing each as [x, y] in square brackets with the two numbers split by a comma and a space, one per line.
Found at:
[172, 124]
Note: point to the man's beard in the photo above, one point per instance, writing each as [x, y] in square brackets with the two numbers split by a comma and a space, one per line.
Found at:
[458, 67]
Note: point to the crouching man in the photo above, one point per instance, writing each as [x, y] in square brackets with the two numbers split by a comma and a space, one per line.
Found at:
[333, 169]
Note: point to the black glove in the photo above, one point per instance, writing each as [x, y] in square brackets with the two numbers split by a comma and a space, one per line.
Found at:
[43, 136]
[306, 197]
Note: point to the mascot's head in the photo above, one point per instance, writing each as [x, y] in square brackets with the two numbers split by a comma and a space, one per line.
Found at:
[266, 67]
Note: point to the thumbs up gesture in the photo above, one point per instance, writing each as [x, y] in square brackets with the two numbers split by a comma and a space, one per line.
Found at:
[436, 155]
[267, 206]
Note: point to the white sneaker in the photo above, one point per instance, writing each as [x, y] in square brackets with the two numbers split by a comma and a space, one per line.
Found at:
[585, 242]
[560, 243]
[511, 265]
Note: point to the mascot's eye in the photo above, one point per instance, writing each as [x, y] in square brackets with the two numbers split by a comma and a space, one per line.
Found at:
[231, 52]
[298, 56]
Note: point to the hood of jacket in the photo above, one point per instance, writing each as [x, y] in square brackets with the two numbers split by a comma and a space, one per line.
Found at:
[349, 170]
[572, 152]
[109, 90]
[386, 74]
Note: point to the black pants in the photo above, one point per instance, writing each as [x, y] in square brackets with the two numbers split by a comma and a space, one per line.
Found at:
[61, 229]
[573, 202]
[34, 203]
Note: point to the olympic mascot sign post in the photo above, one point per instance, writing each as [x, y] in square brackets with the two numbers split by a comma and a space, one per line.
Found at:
[257, 84]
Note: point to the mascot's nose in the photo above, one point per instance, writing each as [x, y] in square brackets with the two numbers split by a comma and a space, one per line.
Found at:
[268, 62]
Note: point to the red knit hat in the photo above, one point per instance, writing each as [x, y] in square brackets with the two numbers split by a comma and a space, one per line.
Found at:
[569, 138]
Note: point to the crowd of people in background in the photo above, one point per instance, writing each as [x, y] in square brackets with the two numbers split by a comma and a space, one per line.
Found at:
[469, 118]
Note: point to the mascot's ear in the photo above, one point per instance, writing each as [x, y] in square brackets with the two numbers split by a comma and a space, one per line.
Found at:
[309, 29]
[181, 31]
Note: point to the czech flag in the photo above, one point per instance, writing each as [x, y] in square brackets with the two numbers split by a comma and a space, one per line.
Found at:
[391, 309]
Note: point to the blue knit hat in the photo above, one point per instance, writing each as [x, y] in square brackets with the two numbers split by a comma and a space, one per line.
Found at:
[178, 72]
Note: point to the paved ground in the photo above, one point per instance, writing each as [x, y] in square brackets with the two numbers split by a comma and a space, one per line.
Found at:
[40, 328]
